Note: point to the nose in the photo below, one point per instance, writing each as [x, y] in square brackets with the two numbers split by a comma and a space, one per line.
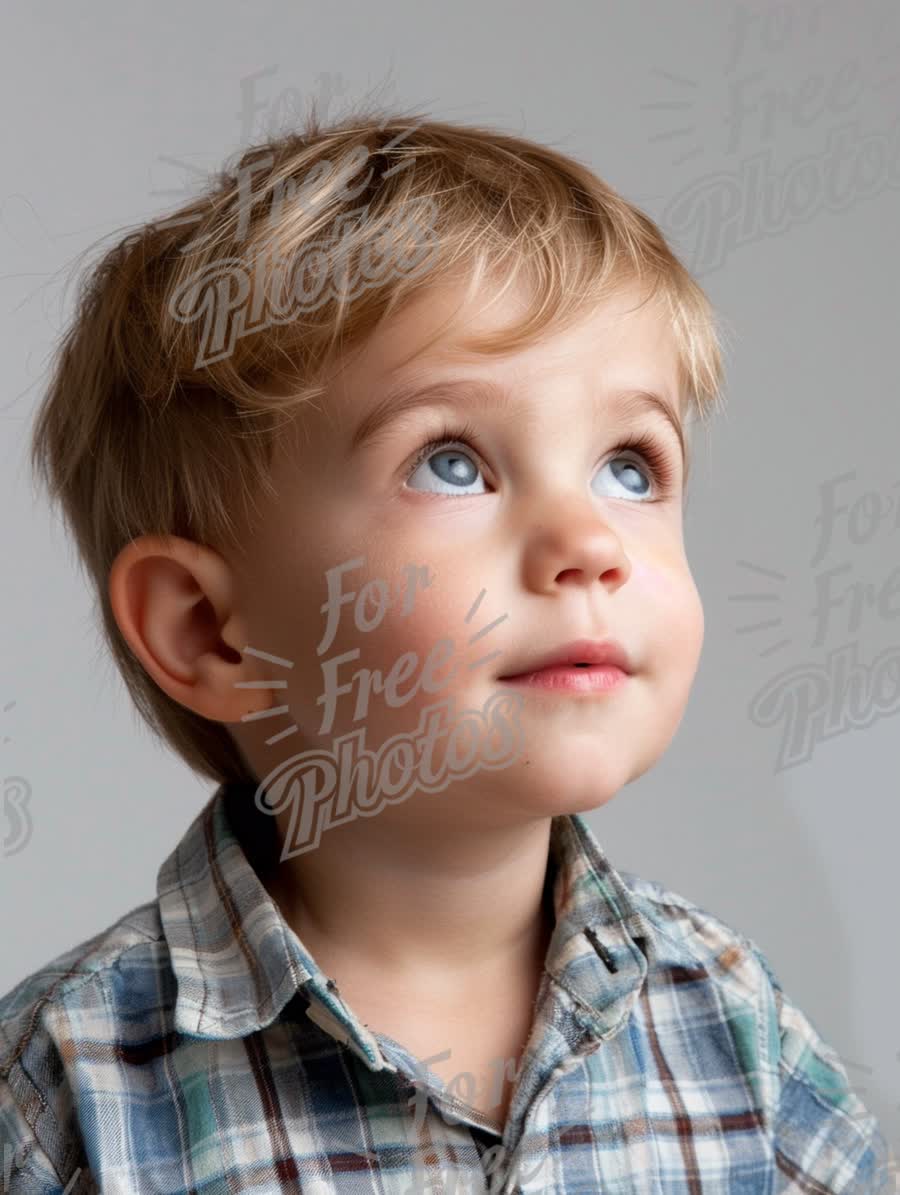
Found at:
[576, 547]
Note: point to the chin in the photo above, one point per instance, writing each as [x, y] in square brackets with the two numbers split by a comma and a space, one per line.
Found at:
[549, 786]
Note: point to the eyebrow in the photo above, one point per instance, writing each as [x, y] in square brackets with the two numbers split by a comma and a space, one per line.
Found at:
[480, 394]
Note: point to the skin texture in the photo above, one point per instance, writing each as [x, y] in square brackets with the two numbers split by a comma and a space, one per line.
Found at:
[439, 895]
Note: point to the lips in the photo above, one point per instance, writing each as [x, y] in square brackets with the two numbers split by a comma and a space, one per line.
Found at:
[581, 652]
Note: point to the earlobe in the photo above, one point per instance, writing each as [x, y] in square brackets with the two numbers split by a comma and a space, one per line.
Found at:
[173, 601]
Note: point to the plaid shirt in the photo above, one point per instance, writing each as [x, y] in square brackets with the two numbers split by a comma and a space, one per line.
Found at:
[196, 1046]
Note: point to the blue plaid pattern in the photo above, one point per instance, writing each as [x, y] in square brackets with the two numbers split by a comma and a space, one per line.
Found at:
[196, 1047]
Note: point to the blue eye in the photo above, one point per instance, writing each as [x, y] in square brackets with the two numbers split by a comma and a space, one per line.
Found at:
[626, 472]
[456, 467]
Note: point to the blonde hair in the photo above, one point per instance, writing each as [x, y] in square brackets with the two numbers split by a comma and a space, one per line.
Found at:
[143, 431]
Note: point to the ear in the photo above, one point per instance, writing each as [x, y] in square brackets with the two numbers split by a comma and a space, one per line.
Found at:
[174, 602]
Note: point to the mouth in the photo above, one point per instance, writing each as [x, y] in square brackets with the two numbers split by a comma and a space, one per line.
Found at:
[570, 678]
[581, 658]
[582, 667]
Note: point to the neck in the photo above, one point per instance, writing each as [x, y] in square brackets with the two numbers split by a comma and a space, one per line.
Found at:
[428, 907]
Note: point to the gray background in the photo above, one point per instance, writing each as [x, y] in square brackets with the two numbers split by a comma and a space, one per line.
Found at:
[110, 112]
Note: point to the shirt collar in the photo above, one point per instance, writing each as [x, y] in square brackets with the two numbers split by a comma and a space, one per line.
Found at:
[237, 963]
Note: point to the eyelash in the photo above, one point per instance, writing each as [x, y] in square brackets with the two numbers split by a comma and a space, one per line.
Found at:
[645, 445]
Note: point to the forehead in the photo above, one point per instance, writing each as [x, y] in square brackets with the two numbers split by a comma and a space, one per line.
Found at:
[618, 343]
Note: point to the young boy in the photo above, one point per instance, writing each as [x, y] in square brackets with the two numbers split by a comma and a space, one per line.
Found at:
[376, 454]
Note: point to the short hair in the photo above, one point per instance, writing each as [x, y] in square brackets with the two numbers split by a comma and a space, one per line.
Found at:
[159, 415]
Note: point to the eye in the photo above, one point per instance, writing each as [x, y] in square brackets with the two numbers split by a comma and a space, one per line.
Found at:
[627, 473]
[456, 467]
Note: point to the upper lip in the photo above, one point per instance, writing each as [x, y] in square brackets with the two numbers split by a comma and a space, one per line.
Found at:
[579, 651]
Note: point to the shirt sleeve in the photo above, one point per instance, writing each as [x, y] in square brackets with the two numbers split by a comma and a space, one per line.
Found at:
[825, 1139]
[25, 1168]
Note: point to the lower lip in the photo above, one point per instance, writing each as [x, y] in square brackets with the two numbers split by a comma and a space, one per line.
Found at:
[598, 678]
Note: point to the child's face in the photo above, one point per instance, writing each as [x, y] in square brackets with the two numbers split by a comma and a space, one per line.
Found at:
[537, 512]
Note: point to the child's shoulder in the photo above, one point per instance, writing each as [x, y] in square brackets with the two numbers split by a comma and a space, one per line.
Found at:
[813, 1089]
[702, 934]
[78, 977]
[88, 994]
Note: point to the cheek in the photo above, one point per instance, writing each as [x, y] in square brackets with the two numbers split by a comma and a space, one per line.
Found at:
[668, 592]
[651, 580]
[435, 629]
[405, 612]
[656, 581]
[425, 601]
